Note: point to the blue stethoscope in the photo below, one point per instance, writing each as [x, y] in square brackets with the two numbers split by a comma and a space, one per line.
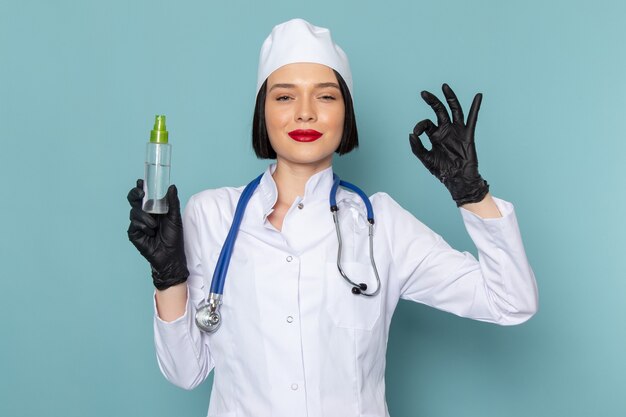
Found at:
[208, 316]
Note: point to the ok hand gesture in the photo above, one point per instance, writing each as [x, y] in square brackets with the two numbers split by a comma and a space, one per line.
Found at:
[452, 158]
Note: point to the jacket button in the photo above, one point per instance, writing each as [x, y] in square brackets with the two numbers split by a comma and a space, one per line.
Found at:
[289, 258]
[289, 319]
[294, 386]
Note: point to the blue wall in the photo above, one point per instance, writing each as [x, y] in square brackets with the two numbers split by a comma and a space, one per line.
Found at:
[80, 83]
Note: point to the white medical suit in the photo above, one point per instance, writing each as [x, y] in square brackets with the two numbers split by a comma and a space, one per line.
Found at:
[295, 341]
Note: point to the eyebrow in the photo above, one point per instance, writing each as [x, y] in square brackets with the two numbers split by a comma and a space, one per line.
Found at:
[319, 85]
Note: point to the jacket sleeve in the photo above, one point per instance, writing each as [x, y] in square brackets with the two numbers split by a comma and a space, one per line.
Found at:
[181, 348]
[499, 287]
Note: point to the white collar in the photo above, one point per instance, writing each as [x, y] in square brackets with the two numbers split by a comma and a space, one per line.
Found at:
[316, 188]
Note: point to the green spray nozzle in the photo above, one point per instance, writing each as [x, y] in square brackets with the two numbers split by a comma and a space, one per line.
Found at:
[159, 132]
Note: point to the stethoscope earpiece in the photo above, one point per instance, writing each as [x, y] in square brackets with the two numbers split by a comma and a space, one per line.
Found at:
[359, 290]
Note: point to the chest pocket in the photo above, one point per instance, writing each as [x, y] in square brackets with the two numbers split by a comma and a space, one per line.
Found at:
[345, 308]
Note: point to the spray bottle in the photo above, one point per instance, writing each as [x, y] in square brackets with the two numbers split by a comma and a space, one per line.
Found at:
[157, 169]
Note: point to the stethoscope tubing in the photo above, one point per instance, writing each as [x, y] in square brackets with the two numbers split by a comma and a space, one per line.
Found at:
[333, 196]
[219, 275]
[208, 316]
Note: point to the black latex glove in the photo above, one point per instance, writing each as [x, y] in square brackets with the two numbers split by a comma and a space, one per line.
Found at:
[452, 158]
[159, 238]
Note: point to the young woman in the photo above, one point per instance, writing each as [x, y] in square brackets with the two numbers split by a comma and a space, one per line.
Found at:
[304, 318]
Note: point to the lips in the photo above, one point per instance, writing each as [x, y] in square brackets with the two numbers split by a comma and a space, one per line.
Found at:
[305, 135]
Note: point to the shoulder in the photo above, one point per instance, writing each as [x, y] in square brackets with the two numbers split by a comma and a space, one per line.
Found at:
[399, 223]
[382, 201]
[383, 205]
[381, 198]
[222, 199]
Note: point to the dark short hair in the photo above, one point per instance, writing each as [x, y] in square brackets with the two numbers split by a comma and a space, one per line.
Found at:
[261, 141]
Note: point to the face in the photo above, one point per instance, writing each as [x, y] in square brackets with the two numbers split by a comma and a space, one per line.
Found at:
[304, 114]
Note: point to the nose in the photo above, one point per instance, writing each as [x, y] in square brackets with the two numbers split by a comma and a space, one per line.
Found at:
[305, 111]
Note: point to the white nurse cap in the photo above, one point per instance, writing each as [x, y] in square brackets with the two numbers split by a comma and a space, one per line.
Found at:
[299, 41]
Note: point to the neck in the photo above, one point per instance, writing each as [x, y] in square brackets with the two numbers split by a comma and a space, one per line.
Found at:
[291, 179]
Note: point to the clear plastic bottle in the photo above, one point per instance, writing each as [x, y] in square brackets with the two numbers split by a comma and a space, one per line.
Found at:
[157, 169]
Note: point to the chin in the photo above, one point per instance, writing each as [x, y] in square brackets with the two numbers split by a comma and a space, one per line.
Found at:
[307, 159]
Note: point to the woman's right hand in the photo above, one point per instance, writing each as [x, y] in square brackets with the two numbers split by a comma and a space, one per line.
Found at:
[159, 237]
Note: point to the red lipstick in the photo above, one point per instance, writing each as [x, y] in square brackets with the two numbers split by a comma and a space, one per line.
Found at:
[305, 135]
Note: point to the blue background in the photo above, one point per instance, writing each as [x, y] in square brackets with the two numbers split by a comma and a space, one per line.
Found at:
[80, 83]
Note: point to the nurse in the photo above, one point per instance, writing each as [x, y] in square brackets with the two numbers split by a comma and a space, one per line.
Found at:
[295, 341]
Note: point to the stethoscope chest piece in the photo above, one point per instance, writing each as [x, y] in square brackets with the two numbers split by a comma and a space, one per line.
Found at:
[208, 317]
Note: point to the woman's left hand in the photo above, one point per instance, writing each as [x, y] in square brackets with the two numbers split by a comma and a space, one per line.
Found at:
[452, 158]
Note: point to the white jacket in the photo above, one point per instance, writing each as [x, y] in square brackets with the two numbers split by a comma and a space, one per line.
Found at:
[294, 340]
